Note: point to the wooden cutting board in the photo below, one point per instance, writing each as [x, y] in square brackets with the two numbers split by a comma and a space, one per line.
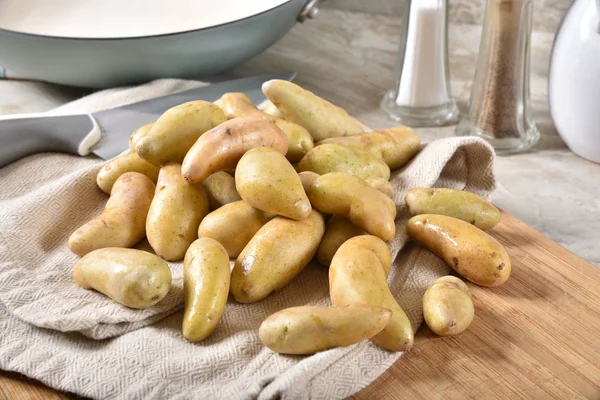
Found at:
[537, 336]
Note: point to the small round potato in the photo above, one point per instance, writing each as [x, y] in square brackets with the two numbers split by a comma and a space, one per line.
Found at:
[233, 225]
[123, 220]
[133, 278]
[337, 231]
[454, 203]
[321, 118]
[274, 256]
[222, 147]
[129, 162]
[396, 146]
[337, 158]
[447, 306]
[266, 180]
[175, 214]
[220, 189]
[467, 249]
[206, 278]
[307, 330]
[176, 131]
[138, 134]
[343, 194]
[358, 275]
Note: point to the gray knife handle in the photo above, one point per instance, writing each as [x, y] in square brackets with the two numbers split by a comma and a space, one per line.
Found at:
[23, 135]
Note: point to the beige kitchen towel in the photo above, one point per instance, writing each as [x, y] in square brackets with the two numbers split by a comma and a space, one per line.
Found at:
[45, 197]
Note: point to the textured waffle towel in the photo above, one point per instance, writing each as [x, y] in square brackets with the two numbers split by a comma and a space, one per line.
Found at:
[77, 340]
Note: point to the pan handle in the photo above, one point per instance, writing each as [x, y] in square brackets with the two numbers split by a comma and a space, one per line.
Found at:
[310, 10]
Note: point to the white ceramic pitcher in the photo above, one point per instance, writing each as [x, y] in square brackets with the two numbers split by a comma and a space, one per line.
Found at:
[574, 85]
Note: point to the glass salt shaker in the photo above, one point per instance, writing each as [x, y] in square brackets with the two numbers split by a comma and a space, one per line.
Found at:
[421, 93]
[499, 109]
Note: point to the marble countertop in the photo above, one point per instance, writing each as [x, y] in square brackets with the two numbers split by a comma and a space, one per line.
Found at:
[348, 57]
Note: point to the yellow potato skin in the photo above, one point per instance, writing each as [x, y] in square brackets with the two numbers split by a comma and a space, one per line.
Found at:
[343, 194]
[133, 278]
[129, 162]
[220, 189]
[337, 231]
[447, 306]
[467, 249]
[238, 105]
[272, 110]
[308, 330]
[383, 185]
[307, 178]
[266, 180]
[396, 146]
[233, 225]
[357, 275]
[321, 118]
[338, 158]
[459, 204]
[206, 279]
[274, 256]
[175, 214]
[222, 147]
[138, 134]
[122, 223]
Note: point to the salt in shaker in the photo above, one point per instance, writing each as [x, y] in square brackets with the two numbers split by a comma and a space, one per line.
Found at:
[421, 92]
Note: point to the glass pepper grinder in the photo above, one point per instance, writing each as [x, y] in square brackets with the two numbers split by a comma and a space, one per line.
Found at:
[421, 93]
[499, 109]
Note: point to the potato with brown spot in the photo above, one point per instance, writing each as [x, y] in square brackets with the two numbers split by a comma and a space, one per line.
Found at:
[176, 131]
[138, 134]
[459, 204]
[396, 146]
[321, 118]
[274, 256]
[266, 180]
[175, 214]
[133, 278]
[447, 306]
[220, 189]
[308, 330]
[337, 158]
[222, 147]
[233, 225]
[358, 275]
[122, 223]
[467, 249]
[343, 194]
[238, 105]
[129, 162]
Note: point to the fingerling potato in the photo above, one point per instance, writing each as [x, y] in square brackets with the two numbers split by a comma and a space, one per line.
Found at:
[447, 306]
[129, 162]
[220, 189]
[383, 185]
[337, 231]
[138, 134]
[272, 110]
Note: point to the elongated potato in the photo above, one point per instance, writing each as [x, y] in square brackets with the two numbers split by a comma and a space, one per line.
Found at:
[233, 225]
[129, 162]
[176, 131]
[343, 194]
[307, 178]
[238, 105]
[272, 110]
[122, 223]
[321, 118]
[337, 231]
[383, 185]
[133, 278]
[454, 203]
[467, 249]
[267, 181]
[175, 214]
[274, 256]
[358, 275]
[220, 189]
[206, 278]
[337, 158]
[447, 306]
[222, 147]
[396, 146]
[138, 134]
[307, 330]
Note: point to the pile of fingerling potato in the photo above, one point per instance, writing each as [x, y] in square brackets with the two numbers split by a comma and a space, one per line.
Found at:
[273, 189]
